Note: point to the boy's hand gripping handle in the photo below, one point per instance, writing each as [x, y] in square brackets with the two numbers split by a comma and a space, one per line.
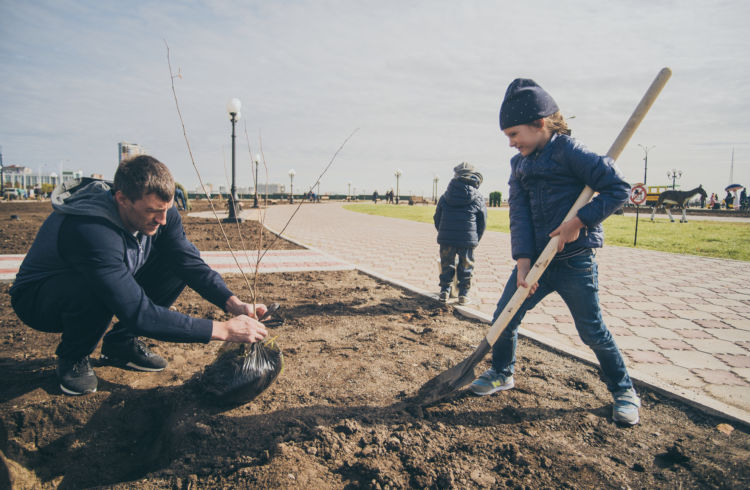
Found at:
[551, 249]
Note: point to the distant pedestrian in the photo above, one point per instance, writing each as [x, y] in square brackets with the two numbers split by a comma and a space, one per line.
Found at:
[743, 199]
[460, 218]
[375, 197]
[712, 202]
[179, 198]
[729, 200]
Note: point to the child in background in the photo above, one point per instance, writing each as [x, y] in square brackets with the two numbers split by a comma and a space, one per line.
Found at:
[547, 175]
[460, 218]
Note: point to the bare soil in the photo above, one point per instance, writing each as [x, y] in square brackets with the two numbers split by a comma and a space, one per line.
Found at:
[355, 349]
[20, 220]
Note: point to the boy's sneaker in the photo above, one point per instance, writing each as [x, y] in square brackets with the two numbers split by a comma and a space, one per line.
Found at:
[625, 409]
[491, 382]
[463, 300]
[133, 354]
[444, 296]
[76, 376]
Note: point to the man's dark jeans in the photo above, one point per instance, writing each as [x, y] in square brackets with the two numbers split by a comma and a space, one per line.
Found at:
[69, 305]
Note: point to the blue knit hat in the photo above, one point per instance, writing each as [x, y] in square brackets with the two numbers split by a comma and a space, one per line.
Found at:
[525, 102]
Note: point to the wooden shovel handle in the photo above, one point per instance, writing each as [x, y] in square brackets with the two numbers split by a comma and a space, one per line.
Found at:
[551, 249]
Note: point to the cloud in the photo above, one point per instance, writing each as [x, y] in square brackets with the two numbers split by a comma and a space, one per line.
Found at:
[423, 81]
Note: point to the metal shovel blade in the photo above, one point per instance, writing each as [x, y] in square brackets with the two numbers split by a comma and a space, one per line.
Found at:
[453, 379]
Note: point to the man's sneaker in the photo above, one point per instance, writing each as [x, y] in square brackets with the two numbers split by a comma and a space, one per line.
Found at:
[444, 296]
[76, 376]
[490, 382]
[133, 354]
[463, 300]
[625, 409]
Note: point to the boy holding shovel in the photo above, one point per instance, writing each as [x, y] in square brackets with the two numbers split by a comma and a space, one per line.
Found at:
[547, 175]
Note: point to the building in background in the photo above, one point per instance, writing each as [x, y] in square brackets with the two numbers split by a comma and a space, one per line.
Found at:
[20, 177]
[128, 150]
[270, 189]
[242, 191]
[28, 183]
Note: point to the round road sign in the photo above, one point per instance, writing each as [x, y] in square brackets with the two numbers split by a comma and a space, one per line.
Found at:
[638, 194]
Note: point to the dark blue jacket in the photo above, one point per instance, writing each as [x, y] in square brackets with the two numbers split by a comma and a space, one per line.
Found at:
[544, 186]
[461, 215]
[84, 235]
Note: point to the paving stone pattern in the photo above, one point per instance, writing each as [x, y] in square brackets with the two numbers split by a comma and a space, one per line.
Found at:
[681, 319]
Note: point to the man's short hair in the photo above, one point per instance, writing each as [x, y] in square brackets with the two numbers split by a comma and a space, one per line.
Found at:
[143, 175]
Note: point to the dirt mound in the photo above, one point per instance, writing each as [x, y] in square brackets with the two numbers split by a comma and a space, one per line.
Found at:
[355, 349]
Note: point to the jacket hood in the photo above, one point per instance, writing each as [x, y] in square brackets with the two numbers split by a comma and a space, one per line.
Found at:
[86, 198]
[460, 193]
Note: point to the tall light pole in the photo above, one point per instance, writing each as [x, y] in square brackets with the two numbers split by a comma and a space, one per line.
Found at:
[2, 174]
[349, 191]
[435, 190]
[233, 108]
[257, 162]
[292, 173]
[674, 174]
[398, 174]
[646, 149]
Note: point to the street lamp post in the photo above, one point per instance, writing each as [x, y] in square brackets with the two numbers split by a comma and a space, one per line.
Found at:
[674, 174]
[435, 190]
[292, 173]
[398, 174]
[2, 175]
[233, 108]
[646, 149]
[255, 199]
[349, 191]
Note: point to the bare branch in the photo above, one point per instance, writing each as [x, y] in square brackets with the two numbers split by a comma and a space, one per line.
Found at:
[172, 76]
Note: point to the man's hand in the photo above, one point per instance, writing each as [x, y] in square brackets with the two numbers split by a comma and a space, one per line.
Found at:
[523, 266]
[235, 306]
[241, 328]
[568, 232]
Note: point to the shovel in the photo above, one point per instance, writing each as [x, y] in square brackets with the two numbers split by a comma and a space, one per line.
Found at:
[463, 373]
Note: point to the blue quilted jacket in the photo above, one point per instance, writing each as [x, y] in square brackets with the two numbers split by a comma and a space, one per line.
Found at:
[544, 186]
[461, 215]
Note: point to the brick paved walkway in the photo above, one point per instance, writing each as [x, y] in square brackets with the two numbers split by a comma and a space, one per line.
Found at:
[682, 322]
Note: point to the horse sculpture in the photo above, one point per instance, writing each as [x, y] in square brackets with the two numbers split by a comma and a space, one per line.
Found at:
[669, 199]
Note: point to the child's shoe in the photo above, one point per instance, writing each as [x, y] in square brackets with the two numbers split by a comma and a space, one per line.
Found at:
[625, 409]
[444, 295]
[490, 382]
[463, 300]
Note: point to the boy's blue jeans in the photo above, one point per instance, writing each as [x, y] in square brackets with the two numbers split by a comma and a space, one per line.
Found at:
[463, 270]
[576, 280]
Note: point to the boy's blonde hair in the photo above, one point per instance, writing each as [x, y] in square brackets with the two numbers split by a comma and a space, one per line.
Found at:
[556, 124]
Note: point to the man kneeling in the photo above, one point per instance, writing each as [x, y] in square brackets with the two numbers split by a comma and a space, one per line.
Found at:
[121, 251]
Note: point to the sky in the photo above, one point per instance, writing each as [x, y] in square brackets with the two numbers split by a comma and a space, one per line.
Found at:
[419, 83]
